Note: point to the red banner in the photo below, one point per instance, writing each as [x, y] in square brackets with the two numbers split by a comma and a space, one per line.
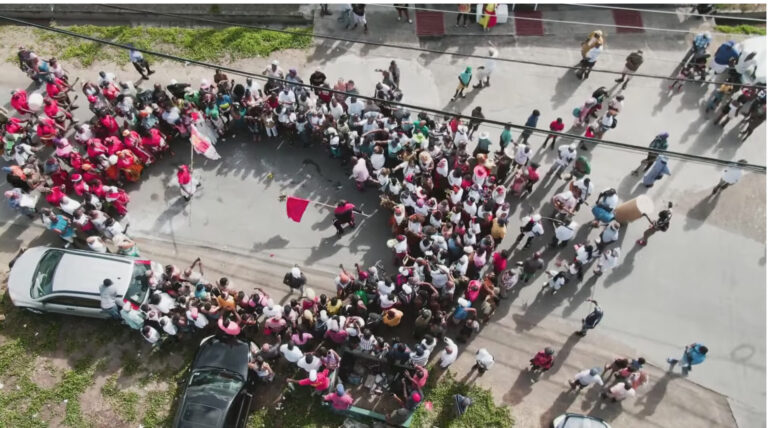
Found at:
[295, 208]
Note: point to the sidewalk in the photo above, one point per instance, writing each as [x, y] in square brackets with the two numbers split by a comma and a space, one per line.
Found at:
[667, 400]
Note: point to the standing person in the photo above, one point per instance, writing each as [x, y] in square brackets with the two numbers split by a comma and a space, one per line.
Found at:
[139, 63]
[592, 320]
[589, 61]
[585, 378]
[324, 10]
[661, 223]
[755, 118]
[556, 125]
[658, 170]
[532, 265]
[295, 279]
[402, 11]
[609, 235]
[477, 119]
[340, 400]
[488, 20]
[619, 392]
[108, 296]
[731, 175]
[344, 214]
[563, 233]
[565, 156]
[532, 121]
[464, 9]
[531, 229]
[506, 137]
[464, 79]
[394, 73]
[188, 184]
[659, 143]
[484, 71]
[449, 353]
[694, 354]
[358, 17]
[633, 62]
[608, 260]
[483, 361]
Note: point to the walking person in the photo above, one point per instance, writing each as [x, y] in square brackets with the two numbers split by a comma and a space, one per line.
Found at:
[295, 279]
[565, 156]
[530, 229]
[661, 224]
[358, 17]
[694, 354]
[589, 61]
[731, 176]
[464, 9]
[532, 121]
[658, 170]
[585, 378]
[659, 143]
[532, 265]
[188, 184]
[483, 361]
[139, 63]
[609, 235]
[464, 79]
[633, 62]
[477, 119]
[556, 125]
[608, 260]
[484, 71]
[402, 12]
[592, 320]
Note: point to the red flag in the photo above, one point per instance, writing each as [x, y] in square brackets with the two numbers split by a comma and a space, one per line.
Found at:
[295, 208]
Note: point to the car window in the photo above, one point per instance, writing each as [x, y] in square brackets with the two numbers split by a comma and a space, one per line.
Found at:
[217, 381]
[80, 302]
[42, 281]
[139, 286]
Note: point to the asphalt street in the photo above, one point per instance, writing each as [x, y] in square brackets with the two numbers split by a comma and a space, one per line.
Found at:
[701, 281]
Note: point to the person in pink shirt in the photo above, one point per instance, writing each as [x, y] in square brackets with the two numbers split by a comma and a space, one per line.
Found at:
[340, 400]
[229, 327]
[317, 380]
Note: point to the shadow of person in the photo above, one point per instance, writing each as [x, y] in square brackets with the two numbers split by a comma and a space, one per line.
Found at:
[558, 407]
[461, 103]
[624, 268]
[605, 409]
[697, 215]
[561, 355]
[651, 399]
[585, 292]
[564, 88]
[664, 98]
[521, 388]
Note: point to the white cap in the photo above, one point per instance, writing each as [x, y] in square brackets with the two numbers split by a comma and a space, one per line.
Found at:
[275, 62]
[313, 375]
[464, 302]
[407, 288]
[536, 217]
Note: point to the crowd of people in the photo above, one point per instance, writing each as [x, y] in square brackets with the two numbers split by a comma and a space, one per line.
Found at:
[449, 196]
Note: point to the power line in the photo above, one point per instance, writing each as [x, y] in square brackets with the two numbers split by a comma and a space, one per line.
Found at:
[560, 21]
[418, 49]
[733, 18]
[670, 154]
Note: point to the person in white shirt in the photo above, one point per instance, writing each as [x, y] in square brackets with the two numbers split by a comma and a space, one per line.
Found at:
[556, 280]
[108, 297]
[449, 353]
[150, 334]
[105, 79]
[585, 189]
[609, 259]
[585, 378]
[291, 352]
[199, 320]
[565, 155]
[309, 363]
[168, 327]
[564, 233]
[731, 175]
[355, 107]
[96, 244]
[139, 63]
[589, 61]
[619, 392]
[483, 360]
[287, 97]
[484, 71]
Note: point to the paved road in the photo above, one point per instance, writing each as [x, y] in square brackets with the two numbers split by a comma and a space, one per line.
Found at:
[701, 281]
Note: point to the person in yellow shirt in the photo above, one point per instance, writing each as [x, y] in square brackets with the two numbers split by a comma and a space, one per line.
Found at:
[334, 306]
[392, 317]
[499, 229]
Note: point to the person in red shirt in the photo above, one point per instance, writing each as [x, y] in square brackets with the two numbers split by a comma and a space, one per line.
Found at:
[19, 102]
[155, 141]
[59, 91]
[52, 110]
[109, 125]
[96, 148]
[556, 125]
[113, 145]
[118, 198]
[48, 129]
[340, 400]
[318, 380]
[78, 184]
[344, 214]
[14, 125]
[543, 360]
[128, 163]
[500, 261]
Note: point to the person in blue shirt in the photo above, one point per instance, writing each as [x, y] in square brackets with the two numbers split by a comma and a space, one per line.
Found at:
[694, 354]
[61, 226]
[532, 121]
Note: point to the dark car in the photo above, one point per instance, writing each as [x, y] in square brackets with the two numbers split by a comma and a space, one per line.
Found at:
[215, 394]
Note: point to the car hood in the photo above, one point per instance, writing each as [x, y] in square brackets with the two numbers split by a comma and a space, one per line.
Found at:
[20, 280]
[202, 409]
[227, 354]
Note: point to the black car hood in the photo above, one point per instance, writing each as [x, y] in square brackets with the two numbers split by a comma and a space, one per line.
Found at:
[201, 409]
[227, 354]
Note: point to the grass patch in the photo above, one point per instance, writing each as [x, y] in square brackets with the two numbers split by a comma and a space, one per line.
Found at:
[740, 29]
[482, 413]
[123, 403]
[201, 44]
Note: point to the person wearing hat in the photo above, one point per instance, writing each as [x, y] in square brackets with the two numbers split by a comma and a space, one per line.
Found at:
[412, 401]
[566, 153]
[609, 235]
[530, 229]
[316, 379]
[340, 400]
[464, 80]
[295, 279]
[483, 361]
[585, 378]
[484, 71]
[108, 298]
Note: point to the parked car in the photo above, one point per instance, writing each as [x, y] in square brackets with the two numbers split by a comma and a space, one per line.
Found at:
[45, 279]
[215, 392]
[574, 420]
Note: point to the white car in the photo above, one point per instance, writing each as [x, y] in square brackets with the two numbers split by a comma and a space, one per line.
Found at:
[45, 279]
[574, 420]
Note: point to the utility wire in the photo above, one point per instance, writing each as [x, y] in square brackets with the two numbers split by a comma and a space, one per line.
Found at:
[668, 12]
[607, 143]
[419, 49]
[559, 21]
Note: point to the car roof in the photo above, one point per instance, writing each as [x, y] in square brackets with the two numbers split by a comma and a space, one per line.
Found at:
[84, 272]
[230, 354]
[574, 420]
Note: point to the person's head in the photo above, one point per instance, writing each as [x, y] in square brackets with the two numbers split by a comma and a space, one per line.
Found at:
[703, 350]
[641, 360]
[742, 162]
[391, 313]
[536, 113]
[627, 386]
[107, 282]
[308, 358]
[549, 351]
[274, 65]
[594, 371]
[322, 351]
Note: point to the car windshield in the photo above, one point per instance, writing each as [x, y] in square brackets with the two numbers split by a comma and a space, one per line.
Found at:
[42, 282]
[139, 286]
[216, 381]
